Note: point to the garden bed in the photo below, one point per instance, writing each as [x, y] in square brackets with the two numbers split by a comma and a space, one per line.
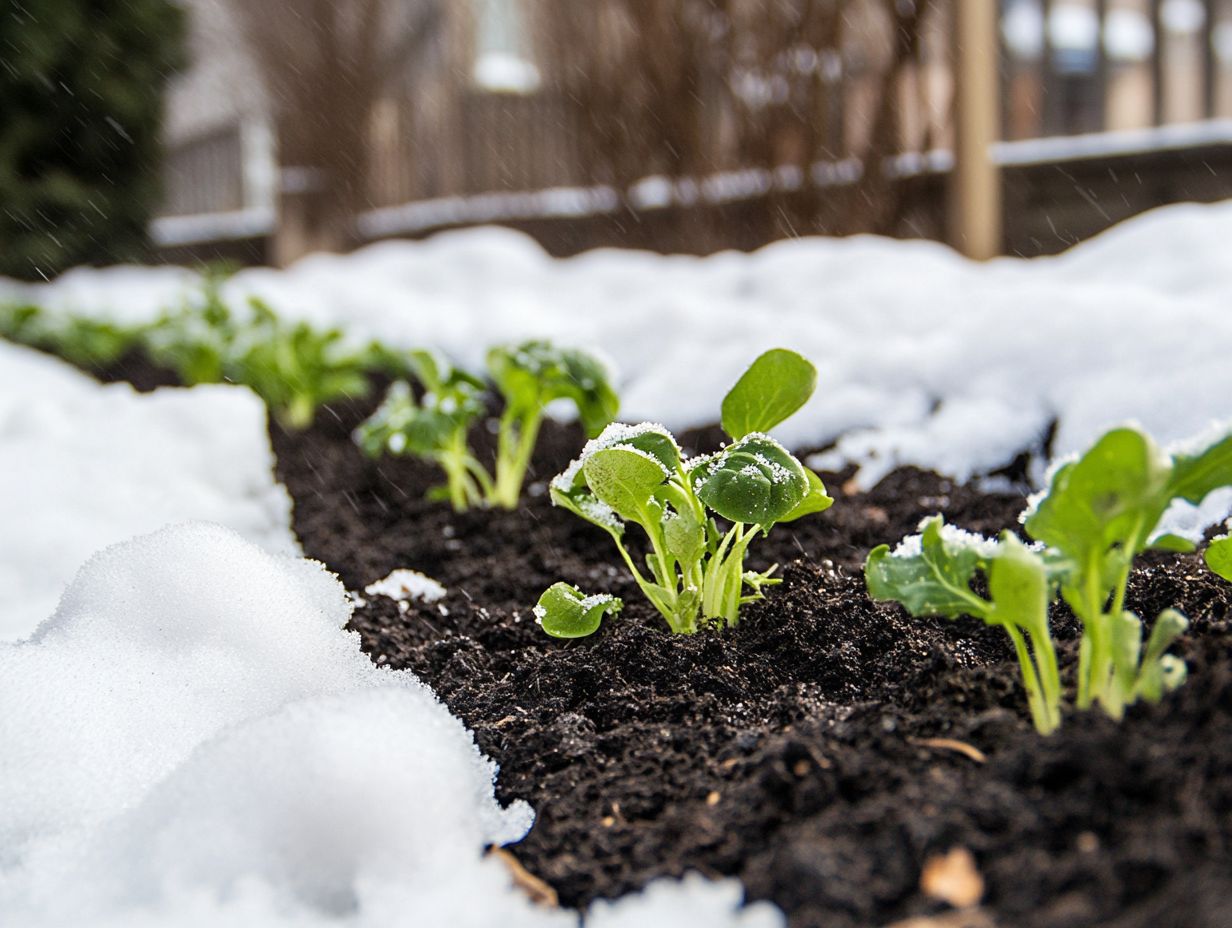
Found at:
[852, 765]
[824, 750]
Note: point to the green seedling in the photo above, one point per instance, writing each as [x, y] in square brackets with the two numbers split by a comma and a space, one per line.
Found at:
[21, 323]
[196, 340]
[87, 343]
[637, 475]
[295, 367]
[528, 377]
[434, 428]
[1098, 513]
[1218, 556]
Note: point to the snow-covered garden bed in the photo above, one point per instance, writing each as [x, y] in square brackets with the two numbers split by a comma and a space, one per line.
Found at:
[209, 729]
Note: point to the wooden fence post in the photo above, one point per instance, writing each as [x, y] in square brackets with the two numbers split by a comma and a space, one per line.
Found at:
[975, 184]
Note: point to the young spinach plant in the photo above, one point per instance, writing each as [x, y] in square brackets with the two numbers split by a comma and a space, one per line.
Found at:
[528, 377]
[295, 367]
[435, 428]
[637, 475]
[196, 339]
[1098, 513]
[88, 343]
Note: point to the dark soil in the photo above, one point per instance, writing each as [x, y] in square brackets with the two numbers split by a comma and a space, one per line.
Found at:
[792, 751]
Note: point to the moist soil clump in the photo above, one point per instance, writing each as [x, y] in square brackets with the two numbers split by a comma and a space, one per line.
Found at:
[824, 750]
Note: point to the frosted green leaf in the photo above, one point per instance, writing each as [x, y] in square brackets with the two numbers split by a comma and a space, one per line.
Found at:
[755, 480]
[565, 612]
[623, 478]
[1218, 556]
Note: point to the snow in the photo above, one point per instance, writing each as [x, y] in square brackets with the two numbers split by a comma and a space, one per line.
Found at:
[204, 227]
[924, 357]
[193, 739]
[402, 585]
[503, 72]
[85, 466]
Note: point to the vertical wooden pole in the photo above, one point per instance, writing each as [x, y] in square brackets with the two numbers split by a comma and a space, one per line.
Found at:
[1101, 68]
[1158, 64]
[975, 185]
[1210, 65]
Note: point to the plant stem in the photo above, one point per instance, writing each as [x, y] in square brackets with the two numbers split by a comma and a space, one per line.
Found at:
[1043, 713]
[518, 434]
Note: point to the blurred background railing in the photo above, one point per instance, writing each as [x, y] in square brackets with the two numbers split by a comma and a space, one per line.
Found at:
[692, 125]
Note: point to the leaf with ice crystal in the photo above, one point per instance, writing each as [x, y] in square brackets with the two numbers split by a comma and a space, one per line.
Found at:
[624, 478]
[535, 373]
[755, 480]
[572, 489]
[1219, 556]
[565, 612]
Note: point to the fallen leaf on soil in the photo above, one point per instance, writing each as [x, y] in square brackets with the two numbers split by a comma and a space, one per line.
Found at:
[971, 918]
[953, 877]
[952, 744]
[536, 889]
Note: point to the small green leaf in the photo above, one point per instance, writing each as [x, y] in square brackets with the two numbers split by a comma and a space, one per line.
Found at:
[624, 479]
[1196, 475]
[1218, 556]
[1161, 673]
[755, 480]
[564, 612]
[1017, 584]
[774, 387]
[684, 536]
[933, 578]
[1113, 493]
[1173, 543]
[655, 441]
[816, 500]
[534, 373]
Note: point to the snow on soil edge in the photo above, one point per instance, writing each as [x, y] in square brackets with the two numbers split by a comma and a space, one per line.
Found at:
[192, 738]
[85, 466]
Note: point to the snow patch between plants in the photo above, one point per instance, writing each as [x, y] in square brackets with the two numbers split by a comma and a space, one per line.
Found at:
[85, 466]
[193, 739]
[402, 585]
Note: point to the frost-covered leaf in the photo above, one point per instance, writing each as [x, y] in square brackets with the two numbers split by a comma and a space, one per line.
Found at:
[1218, 556]
[565, 612]
[624, 478]
[535, 373]
[816, 500]
[929, 574]
[774, 387]
[755, 480]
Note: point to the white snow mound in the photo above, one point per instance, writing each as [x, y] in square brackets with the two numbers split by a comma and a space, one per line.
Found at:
[193, 739]
[85, 466]
[924, 357]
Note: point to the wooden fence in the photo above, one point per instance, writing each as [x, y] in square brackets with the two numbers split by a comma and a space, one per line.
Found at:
[1068, 78]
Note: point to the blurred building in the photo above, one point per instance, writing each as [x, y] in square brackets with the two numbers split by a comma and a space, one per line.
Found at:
[486, 125]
